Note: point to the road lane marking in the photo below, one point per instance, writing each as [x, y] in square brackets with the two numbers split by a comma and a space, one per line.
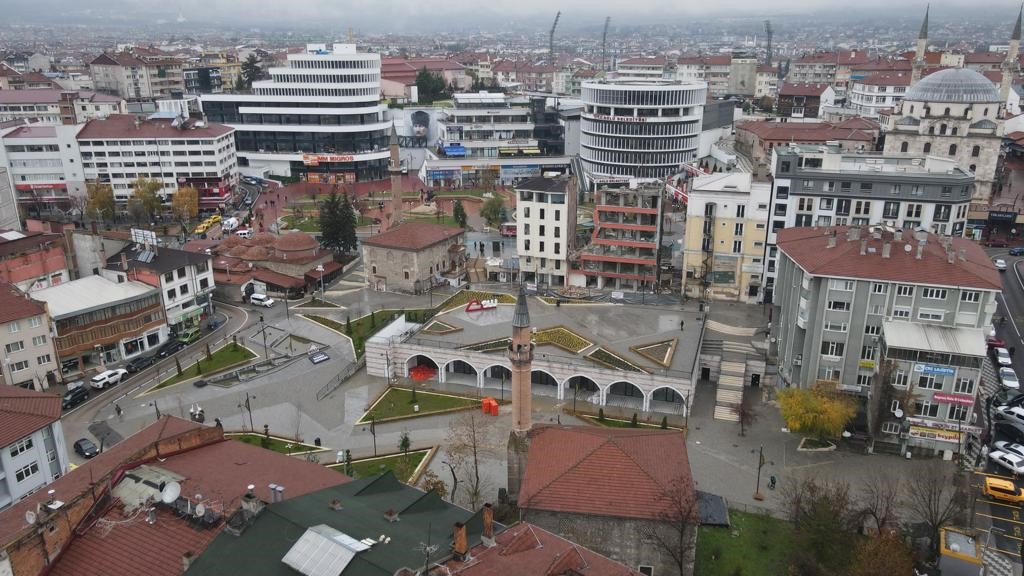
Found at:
[994, 475]
[1001, 518]
[997, 503]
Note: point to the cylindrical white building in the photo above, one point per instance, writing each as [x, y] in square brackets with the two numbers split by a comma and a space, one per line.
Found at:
[640, 128]
[318, 118]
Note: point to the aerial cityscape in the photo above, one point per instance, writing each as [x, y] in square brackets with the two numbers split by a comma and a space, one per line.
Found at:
[586, 288]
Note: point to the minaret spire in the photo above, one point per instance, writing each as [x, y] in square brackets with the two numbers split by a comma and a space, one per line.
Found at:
[923, 34]
[1010, 67]
[917, 66]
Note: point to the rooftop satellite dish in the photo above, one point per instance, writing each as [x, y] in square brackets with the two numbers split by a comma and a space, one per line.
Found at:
[170, 493]
[898, 413]
[30, 517]
[200, 510]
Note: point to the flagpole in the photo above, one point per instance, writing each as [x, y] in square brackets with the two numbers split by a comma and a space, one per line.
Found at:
[760, 464]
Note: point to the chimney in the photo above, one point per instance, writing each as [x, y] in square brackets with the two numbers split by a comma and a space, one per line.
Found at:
[391, 515]
[832, 240]
[898, 233]
[460, 545]
[335, 504]
[487, 536]
[124, 262]
[250, 503]
[851, 233]
[963, 255]
[273, 492]
[886, 249]
[920, 250]
[863, 246]
[186, 561]
[280, 493]
[951, 255]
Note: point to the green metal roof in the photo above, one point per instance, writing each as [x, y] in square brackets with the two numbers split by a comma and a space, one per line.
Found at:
[422, 518]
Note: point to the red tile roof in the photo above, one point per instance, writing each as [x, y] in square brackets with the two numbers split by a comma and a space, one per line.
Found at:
[803, 132]
[45, 96]
[645, 60]
[718, 60]
[984, 57]
[887, 79]
[604, 471]
[859, 123]
[528, 549]
[792, 89]
[435, 64]
[808, 247]
[413, 236]
[15, 304]
[24, 411]
[766, 69]
[277, 279]
[220, 472]
[843, 58]
[123, 126]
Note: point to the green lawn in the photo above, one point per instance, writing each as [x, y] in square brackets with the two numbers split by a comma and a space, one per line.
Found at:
[272, 443]
[761, 547]
[304, 224]
[616, 423]
[399, 464]
[446, 220]
[397, 402]
[364, 221]
[362, 328]
[225, 356]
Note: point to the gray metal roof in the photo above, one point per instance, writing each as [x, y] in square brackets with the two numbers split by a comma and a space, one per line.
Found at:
[521, 317]
[953, 85]
[941, 339]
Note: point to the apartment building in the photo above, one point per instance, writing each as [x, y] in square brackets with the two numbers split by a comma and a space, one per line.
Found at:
[833, 68]
[44, 165]
[858, 296]
[804, 100]
[878, 92]
[227, 64]
[767, 82]
[624, 251]
[318, 118]
[137, 74]
[10, 218]
[164, 147]
[641, 68]
[545, 228]
[203, 80]
[30, 360]
[488, 125]
[32, 449]
[33, 260]
[57, 106]
[758, 139]
[828, 188]
[726, 225]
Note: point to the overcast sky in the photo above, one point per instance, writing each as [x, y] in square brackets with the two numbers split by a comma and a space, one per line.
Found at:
[372, 16]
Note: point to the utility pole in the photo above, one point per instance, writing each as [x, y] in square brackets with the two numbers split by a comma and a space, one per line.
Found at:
[263, 329]
[248, 408]
[760, 464]
[373, 431]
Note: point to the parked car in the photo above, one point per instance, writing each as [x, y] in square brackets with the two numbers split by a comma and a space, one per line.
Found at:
[996, 243]
[993, 342]
[1008, 378]
[1011, 447]
[107, 378]
[75, 396]
[140, 363]
[1017, 251]
[1001, 489]
[261, 300]
[85, 448]
[1000, 264]
[169, 348]
[1011, 462]
[1012, 414]
[1008, 430]
[1002, 357]
[1008, 397]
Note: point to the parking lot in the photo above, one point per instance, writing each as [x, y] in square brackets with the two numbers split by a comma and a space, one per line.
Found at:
[1000, 521]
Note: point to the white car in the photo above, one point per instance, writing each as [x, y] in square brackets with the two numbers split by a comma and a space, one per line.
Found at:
[108, 378]
[1012, 414]
[261, 300]
[1003, 357]
[1000, 264]
[1009, 378]
[1009, 448]
[1011, 462]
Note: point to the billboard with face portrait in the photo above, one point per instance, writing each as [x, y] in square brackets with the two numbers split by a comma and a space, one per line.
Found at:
[417, 127]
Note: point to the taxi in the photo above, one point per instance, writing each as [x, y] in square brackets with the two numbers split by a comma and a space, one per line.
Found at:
[1001, 489]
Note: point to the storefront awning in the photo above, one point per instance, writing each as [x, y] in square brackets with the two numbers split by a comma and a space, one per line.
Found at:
[194, 312]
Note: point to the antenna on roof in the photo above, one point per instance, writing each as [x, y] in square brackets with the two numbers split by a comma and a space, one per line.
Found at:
[170, 493]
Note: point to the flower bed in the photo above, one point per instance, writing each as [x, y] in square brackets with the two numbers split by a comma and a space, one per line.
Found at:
[438, 327]
[612, 360]
[499, 345]
[563, 338]
[658, 352]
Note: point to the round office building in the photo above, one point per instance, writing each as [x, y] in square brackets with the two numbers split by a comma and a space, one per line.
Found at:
[640, 128]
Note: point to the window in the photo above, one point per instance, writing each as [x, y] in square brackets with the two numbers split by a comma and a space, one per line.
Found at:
[406, 274]
[837, 326]
[737, 246]
[930, 314]
[957, 412]
[891, 428]
[51, 456]
[780, 210]
[952, 149]
[976, 151]
[26, 472]
[38, 340]
[13, 328]
[832, 348]
[933, 293]
[864, 379]
[964, 386]
[15, 346]
[825, 204]
[35, 322]
[904, 290]
[526, 212]
[646, 570]
[894, 406]
[866, 186]
[838, 305]
[23, 445]
[204, 283]
[968, 296]
[926, 409]
[738, 229]
[558, 232]
[830, 373]
[872, 329]
[904, 146]
[891, 210]
[847, 186]
[913, 210]
[171, 294]
[741, 211]
[808, 184]
[927, 147]
[169, 277]
[899, 379]
[901, 313]
[846, 285]
[373, 269]
[44, 359]
[181, 273]
[879, 288]
[929, 383]
[19, 366]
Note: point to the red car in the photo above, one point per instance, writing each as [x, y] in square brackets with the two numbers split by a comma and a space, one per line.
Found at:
[993, 342]
[996, 243]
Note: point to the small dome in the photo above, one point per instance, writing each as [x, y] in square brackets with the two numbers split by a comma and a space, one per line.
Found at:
[255, 253]
[238, 251]
[228, 243]
[263, 239]
[295, 241]
[953, 86]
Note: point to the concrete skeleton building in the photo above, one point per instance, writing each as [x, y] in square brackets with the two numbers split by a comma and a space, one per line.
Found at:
[726, 228]
[858, 296]
[545, 229]
[319, 118]
[32, 449]
[821, 186]
[29, 358]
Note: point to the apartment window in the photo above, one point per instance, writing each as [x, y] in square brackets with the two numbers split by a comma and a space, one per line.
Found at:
[26, 472]
[866, 186]
[843, 207]
[805, 204]
[838, 305]
[44, 359]
[541, 245]
[933, 293]
[824, 221]
[891, 210]
[901, 313]
[825, 204]
[204, 283]
[926, 409]
[836, 326]
[808, 184]
[862, 208]
[900, 379]
[778, 225]
[526, 212]
[35, 322]
[832, 348]
[558, 232]
[23, 445]
[879, 288]
[957, 413]
[183, 289]
[913, 210]
[929, 314]
[904, 290]
[741, 211]
[541, 213]
[864, 379]
[526, 244]
[171, 294]
[738, 229]
[558, 214]
[830, 373]
[846, 285]
[803, 220]
[19, 366]
[737, 246]
[868, 352]
[38, 340]
[780, 210]
[847, 186]
[970, 296]
[13, 328]
[891, 427]
[15, 346]
[929, 383]
[51, 456]
[646, 570]
[169, 277]
[894, 406]
[964, 386]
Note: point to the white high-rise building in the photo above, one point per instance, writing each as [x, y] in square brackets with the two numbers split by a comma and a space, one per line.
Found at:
[640, 128]
[318, 118]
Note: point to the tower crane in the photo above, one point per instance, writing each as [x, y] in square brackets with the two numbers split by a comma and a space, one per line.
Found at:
[551, 38]
[604, 45]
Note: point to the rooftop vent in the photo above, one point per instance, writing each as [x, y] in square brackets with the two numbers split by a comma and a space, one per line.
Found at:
[391, 515]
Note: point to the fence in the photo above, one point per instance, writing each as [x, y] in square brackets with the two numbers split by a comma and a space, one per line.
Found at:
[340, 379]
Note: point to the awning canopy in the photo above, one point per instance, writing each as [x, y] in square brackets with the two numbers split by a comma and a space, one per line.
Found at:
[940, 339]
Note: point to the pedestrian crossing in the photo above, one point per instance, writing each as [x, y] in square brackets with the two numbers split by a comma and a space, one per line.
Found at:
[996, 564]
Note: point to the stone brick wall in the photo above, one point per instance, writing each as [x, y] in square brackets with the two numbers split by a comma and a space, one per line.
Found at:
[391, 266]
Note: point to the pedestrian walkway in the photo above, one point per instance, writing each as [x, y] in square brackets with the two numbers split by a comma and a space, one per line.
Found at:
[730, 330]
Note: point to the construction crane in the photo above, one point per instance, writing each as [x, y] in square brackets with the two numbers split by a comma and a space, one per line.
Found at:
[604, 45]
[551, 39]
[768, 45]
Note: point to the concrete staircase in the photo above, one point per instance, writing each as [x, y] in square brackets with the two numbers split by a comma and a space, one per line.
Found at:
[729, 393]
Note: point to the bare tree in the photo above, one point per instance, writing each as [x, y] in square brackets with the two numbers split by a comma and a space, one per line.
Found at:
[935, 497]
[676, 532]
[879, 500]
[466, 446]
[825, 518]
[745, 413]
[431, 481]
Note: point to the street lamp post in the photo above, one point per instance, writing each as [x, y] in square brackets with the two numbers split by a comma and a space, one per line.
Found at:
[263, 329]
[248, 408]
[320, 269]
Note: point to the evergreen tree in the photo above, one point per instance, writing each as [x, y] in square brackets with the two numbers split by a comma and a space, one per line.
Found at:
[633, 422]
[664, 422]
[429, 85]
[251, 70]
[330, 222]
[347, 225]
[459, 213]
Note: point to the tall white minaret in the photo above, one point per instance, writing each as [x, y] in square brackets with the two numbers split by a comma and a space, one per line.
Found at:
[1009, 65]
[917, 66]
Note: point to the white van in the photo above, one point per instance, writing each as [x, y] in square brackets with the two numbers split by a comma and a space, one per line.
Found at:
[261, 300]
[108, 378]
[244, 233]
[229, 224]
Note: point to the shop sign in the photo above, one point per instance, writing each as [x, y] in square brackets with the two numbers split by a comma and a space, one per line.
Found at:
[934, 370]
[949, 398]
[934, 434]
[316, 159]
